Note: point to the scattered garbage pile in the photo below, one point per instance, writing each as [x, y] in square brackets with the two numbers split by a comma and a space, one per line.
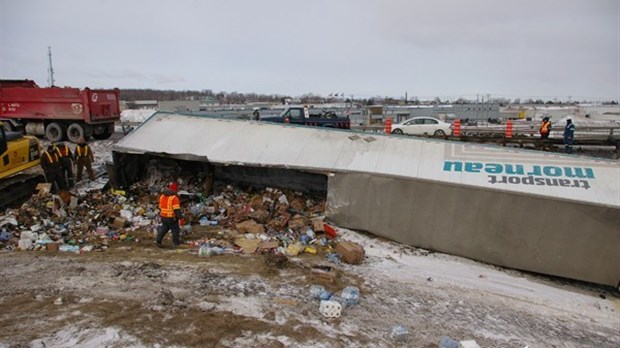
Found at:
[66, 222]
[231, 220]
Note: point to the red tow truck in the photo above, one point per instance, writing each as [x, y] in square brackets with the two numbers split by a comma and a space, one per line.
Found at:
[58, 112]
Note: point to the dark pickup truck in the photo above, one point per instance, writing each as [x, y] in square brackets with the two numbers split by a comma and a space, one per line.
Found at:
[310, 117]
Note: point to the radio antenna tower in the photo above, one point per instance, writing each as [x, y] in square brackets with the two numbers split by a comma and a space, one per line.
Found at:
[50, 78]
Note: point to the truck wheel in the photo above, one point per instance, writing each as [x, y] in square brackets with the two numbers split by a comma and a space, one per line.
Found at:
[75, 132]
[54, 132]
[7, 126]
[106, 133]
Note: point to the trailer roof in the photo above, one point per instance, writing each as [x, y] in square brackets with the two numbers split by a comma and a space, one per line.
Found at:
[255, 143]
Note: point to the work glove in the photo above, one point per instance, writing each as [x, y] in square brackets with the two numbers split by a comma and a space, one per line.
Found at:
[181, 222]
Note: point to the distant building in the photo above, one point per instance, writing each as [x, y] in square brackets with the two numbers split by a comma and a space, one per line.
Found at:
[476, 111]
[141, 104]
[179, 105]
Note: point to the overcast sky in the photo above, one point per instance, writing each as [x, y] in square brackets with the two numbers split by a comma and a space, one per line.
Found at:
[450, 48]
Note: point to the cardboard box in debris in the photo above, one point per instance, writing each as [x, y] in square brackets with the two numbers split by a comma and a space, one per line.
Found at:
[245, 220]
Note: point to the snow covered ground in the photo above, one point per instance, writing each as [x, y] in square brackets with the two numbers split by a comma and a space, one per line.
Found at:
[141, 296]
[136, 116]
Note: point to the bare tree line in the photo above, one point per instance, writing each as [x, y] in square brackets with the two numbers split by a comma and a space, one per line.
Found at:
[241, 98]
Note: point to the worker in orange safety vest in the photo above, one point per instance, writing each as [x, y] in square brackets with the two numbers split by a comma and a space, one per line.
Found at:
[545, 128]
[170, 214]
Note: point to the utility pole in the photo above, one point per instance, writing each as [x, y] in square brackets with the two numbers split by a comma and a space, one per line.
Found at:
[50, 78]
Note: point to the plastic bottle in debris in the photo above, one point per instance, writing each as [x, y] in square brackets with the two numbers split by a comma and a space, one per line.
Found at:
[351, 294]
[206, 250]
[197, 209]
[304, 239]
[4, 235]
[399, 333]
[315, 290]
[325, 295]
[340, 300]
[204, 221]
[333, 257]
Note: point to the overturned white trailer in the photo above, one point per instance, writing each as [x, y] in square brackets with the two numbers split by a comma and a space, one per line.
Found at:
[541, 212]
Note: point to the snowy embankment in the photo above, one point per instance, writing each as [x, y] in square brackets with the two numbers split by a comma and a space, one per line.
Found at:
[136, 116]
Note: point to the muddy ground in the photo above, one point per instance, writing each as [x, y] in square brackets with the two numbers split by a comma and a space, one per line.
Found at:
[135, 294]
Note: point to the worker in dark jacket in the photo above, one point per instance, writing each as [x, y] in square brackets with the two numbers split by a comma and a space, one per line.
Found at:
[569, 136]
[84, 157]
[170, 214]
[51, 168]
[545, 128]
[65, 157]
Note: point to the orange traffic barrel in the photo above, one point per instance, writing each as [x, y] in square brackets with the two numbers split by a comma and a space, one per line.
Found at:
[388, 126]
[456, 128]
[509, 129]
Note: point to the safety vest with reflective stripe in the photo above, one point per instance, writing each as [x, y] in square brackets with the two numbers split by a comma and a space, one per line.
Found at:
[51, 157]
[82, 151]
[62, 151]
[168, 204]
[544, 127]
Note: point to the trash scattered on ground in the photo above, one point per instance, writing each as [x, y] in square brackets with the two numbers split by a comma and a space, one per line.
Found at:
[325, 273]
[351, 252]
[330, 309]
[206, 250]
[228, 220]
[351, 295]
[399, 333]
[468, 344]
[447, 342]
[348, 297]
[315, 291]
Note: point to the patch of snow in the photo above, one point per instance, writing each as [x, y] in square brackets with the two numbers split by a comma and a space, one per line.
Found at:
[394, 263]
[249, 339]
[248, 306]
[136, 116]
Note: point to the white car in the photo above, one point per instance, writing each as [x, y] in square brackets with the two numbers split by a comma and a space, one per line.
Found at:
[422, 126]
